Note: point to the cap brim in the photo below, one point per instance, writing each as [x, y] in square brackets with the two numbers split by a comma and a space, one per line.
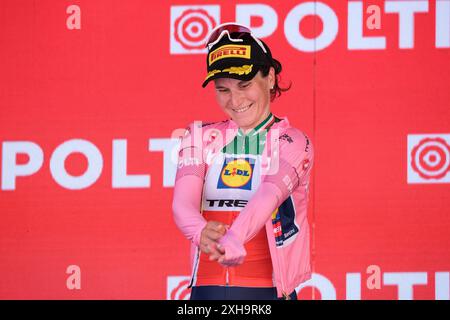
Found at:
[226, 74]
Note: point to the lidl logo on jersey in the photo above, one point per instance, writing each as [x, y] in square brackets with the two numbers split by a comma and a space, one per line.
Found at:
[236, 173]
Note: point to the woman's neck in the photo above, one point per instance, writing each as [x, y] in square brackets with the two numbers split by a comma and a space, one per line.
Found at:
[246, 130]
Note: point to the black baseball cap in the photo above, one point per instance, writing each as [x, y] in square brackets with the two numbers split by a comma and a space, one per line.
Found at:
[239, 60]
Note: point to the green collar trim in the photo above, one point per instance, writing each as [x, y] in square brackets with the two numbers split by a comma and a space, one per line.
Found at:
[258, 128]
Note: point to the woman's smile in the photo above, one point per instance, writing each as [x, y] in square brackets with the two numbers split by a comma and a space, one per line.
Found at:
[241, 110]
[246, 102]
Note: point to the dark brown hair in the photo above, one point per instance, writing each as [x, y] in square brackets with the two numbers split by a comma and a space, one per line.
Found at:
[277, 89]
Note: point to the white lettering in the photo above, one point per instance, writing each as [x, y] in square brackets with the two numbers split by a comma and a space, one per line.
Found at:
[322, 284]
[10, 168]
[443, 24]
[356, 40]
[406, 10]
[93, 171]
[442, 285]
[295, 16]
[244, 12]
[353, 286]
[120, 178]
[169, 148]
[405, 282]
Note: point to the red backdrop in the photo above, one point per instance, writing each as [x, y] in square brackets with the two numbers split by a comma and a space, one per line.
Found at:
[91, 91]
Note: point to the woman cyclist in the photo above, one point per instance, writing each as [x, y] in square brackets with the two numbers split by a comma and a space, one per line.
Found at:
[241, 188]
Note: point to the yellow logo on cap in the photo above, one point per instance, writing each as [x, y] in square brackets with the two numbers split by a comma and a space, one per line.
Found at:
[211, 73]
[229, 51]
[245, 69]
[236, 173]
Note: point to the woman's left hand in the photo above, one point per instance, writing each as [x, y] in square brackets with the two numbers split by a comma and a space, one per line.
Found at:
[233, 250]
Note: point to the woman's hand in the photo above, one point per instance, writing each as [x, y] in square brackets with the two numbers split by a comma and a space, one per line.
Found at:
[221, 244]
[209, 239]
[232, 248]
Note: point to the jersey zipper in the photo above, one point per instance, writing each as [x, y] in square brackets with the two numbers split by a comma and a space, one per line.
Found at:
[281, 273]
[279, 252]
[195, 267]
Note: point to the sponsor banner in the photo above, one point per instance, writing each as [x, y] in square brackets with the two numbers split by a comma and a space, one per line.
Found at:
[404, 285]
[95, 97]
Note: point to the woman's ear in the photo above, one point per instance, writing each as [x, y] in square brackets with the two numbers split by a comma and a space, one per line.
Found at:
[271, 77]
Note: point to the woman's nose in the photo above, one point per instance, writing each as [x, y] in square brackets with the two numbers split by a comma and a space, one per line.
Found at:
[236, 99]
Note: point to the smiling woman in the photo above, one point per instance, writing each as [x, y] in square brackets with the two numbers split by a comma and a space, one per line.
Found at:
[247, 224]
[246, 102]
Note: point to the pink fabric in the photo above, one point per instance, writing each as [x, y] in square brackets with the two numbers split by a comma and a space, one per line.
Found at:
[249, 222]
[190, 156]
[188, 187]
[234, 249]
[272, 192]
[294, 152]
[186, 207]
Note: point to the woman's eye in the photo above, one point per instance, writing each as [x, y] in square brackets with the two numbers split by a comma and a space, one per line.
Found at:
[245, 85]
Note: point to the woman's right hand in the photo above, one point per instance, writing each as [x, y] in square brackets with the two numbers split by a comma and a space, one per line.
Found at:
[209, 238]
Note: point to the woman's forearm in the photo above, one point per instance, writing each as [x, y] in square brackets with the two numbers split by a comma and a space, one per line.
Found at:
[186, 207]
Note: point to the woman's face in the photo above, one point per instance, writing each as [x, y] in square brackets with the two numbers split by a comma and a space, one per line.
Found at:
[246, 102]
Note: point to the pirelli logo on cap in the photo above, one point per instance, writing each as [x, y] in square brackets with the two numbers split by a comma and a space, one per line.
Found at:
[229, 51]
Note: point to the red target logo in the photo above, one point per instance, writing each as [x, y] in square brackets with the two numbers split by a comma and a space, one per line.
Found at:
[429, 159]
[177, 288]
[190, 26]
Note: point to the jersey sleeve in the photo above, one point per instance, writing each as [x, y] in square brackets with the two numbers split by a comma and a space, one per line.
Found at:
[293, 163]
[190, 155]
[291, 169]
[189, 186]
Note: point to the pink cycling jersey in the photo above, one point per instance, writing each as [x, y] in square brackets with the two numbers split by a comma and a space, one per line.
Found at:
[269, 186]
